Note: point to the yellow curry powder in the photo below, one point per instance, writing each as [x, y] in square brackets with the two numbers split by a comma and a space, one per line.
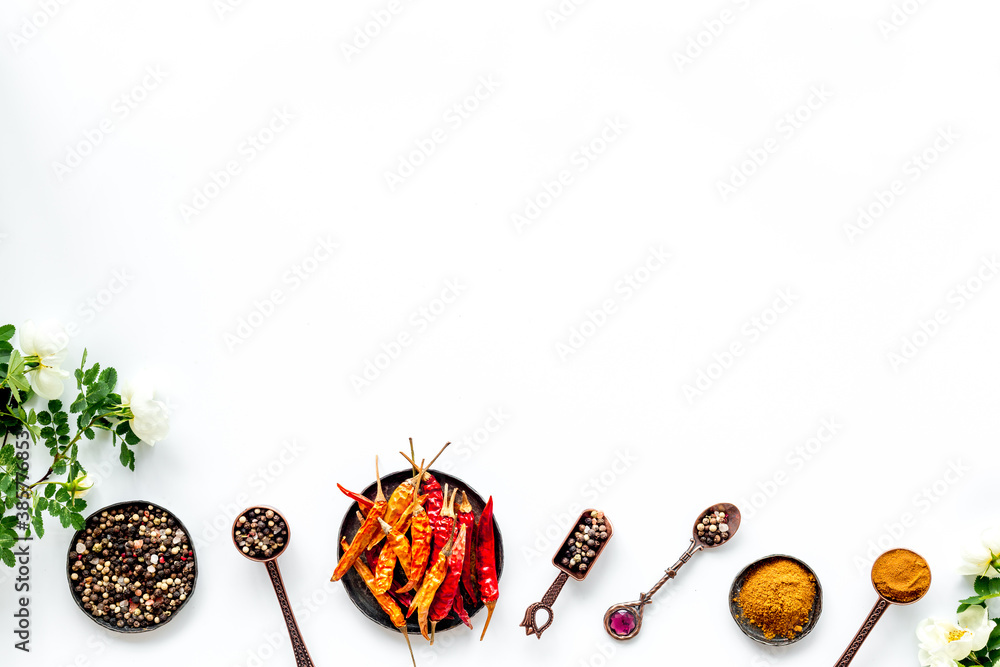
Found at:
[777, 597]
[901, 576]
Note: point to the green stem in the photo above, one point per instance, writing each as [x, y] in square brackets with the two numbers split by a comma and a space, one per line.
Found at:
[61, 455]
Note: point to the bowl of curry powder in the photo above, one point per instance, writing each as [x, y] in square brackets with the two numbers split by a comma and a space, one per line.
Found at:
[776, 600]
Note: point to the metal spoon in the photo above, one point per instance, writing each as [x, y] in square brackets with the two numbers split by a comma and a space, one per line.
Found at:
[877, 611]
[628, 615]
[302, 658]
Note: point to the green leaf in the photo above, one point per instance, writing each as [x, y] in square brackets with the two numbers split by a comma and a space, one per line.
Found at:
[995, 587]
[6, 541]
[6, 481]
[127, 457]
[77, 520]
[109, 376]
[9, 522]
[62, 429]
[55, 406]
[97, 393]
[49, 490]
[7, 331]
[982, 586]
[44, 418]
[89, 433]
[62, 495]
[122, 428]
[91, 375]
[7, 556]
[131, 438]
[39, 524]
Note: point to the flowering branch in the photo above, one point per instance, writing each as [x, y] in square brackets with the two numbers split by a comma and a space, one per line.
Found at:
[130, 417]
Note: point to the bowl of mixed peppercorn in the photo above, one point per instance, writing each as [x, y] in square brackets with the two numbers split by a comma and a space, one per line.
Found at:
[132, 566]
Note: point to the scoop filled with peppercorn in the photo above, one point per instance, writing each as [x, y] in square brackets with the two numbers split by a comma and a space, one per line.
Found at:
[584, 543]
[261, 534]
[132, 566]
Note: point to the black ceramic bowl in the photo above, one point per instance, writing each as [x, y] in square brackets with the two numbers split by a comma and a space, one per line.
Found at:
[751, 630]
[355, 586]
[71, 557]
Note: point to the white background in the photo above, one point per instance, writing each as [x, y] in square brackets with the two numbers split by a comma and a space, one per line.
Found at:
[243, 387]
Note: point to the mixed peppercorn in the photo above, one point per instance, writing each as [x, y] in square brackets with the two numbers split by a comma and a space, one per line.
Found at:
[713, 529]
[261, 533]
[590, 535]
[132, 566]
[436, 556]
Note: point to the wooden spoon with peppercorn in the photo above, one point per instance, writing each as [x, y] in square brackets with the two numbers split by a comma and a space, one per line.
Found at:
[714, 527]
[261, 534]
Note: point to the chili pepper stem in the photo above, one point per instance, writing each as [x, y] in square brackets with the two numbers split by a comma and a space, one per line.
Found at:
[490, 606]
[378, 496]
[414, 455]
[406, 636]
[433, 630]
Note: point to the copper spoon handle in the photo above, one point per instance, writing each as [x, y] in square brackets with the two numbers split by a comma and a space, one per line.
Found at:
[862, 635]
[529, 624]
[302, 658]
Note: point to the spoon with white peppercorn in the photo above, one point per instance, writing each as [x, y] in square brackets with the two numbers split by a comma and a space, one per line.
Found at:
[261, 534]
[714, 527]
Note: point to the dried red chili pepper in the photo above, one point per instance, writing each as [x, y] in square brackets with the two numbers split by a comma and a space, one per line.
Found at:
[459, 607]
[435, 497]
[400, 499]
[486, 570]
[385, 566]
[432, 581]
[443, 524]
[468, 519]
[399, 544]
[364, 534]
[420, 548]
[444, 599]
[363, 502]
